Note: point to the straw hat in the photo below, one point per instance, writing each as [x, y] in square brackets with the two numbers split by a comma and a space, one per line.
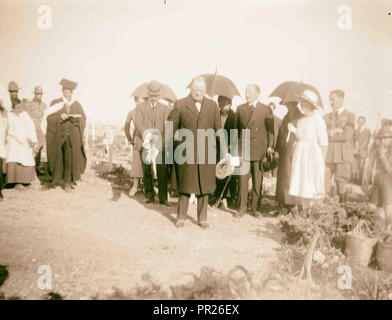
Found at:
[154, 88]
[311, 97]
[224, 169]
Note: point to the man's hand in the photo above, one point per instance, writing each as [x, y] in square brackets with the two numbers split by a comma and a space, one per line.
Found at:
[270, 152]
[64, 117]
[31, 143]
[336, 130]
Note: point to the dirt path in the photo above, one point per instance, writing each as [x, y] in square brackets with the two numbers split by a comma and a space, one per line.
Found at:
[93, 244]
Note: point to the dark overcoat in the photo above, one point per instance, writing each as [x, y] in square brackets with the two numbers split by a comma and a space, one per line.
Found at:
[194, 177]
[285, 149]
[146, 118]
[56, 133]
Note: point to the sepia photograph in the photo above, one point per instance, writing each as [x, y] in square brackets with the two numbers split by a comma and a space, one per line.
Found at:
[181, 150]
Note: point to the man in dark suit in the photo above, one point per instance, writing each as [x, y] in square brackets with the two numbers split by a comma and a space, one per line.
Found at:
[340, 154]
[277, 125]
[190, 116]
[228, 123]
[362, 137]
[150, 118]
[258, 118]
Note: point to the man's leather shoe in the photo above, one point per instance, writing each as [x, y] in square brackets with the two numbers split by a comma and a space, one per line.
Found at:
[204, 225]
[165, 203]
[180, 224]
[238, 214]
[149, 200]
[256, 214]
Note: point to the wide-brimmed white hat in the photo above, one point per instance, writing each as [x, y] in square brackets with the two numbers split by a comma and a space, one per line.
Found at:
[311, 97]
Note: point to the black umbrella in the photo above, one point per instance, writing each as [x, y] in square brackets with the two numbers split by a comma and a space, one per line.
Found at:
[219, 85]
[290, 91]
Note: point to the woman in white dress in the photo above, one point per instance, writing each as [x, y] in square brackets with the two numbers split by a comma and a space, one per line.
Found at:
[21, 141]
[308, 166]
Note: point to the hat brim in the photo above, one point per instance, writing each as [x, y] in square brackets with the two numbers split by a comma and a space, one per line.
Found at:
[384, 136]
[223, 169]
[153, 94]
[315, 105]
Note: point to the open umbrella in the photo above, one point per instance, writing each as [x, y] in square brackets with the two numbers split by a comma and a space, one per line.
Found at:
[219, 85]
[166, 93]
[290, 90]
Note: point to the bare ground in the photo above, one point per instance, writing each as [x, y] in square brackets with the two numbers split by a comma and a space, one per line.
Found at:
[93, 244]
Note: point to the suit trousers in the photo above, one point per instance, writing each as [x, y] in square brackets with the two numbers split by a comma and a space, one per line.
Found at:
[202, 204]
[230, 187]
[2, 179]
[342, 174]
[257, 185]
[148, 179]
[66, 149]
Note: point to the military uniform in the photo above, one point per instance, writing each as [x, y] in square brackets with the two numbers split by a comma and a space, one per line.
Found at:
[340, 153]
[36, 110]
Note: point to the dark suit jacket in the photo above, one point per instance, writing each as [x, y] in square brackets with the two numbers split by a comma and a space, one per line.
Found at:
[361, 140]
[260, 122]
[228, 125]
[194, 177]
[147, 117]
[277, 124]
[341, 145]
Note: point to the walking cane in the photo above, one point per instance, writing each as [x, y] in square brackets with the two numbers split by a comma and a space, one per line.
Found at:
[223, 191]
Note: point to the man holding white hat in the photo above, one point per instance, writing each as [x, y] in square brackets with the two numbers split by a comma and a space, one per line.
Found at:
[150, 118]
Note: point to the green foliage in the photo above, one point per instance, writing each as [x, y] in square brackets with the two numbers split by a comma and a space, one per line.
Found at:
[331, 219]
[3, 274]
[372, 285]
[209, 284]
[53, 296]
[212, 285]
[118, 176]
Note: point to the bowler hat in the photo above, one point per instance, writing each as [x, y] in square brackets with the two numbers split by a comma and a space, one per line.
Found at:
[311, 97]
[269, 163]
[154, 88]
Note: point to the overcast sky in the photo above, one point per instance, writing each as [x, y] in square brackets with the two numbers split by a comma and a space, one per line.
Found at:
[109, 47]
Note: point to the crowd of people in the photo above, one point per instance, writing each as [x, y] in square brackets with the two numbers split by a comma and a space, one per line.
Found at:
[315, 155]
[29, 129]
[311, 155]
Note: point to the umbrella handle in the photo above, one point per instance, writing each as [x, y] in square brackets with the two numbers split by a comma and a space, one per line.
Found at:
[288, 137]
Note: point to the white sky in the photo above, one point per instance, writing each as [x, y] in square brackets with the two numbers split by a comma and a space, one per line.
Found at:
[110, 47]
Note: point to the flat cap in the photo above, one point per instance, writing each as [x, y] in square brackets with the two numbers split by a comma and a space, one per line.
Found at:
[37, 90]
[13, 86]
